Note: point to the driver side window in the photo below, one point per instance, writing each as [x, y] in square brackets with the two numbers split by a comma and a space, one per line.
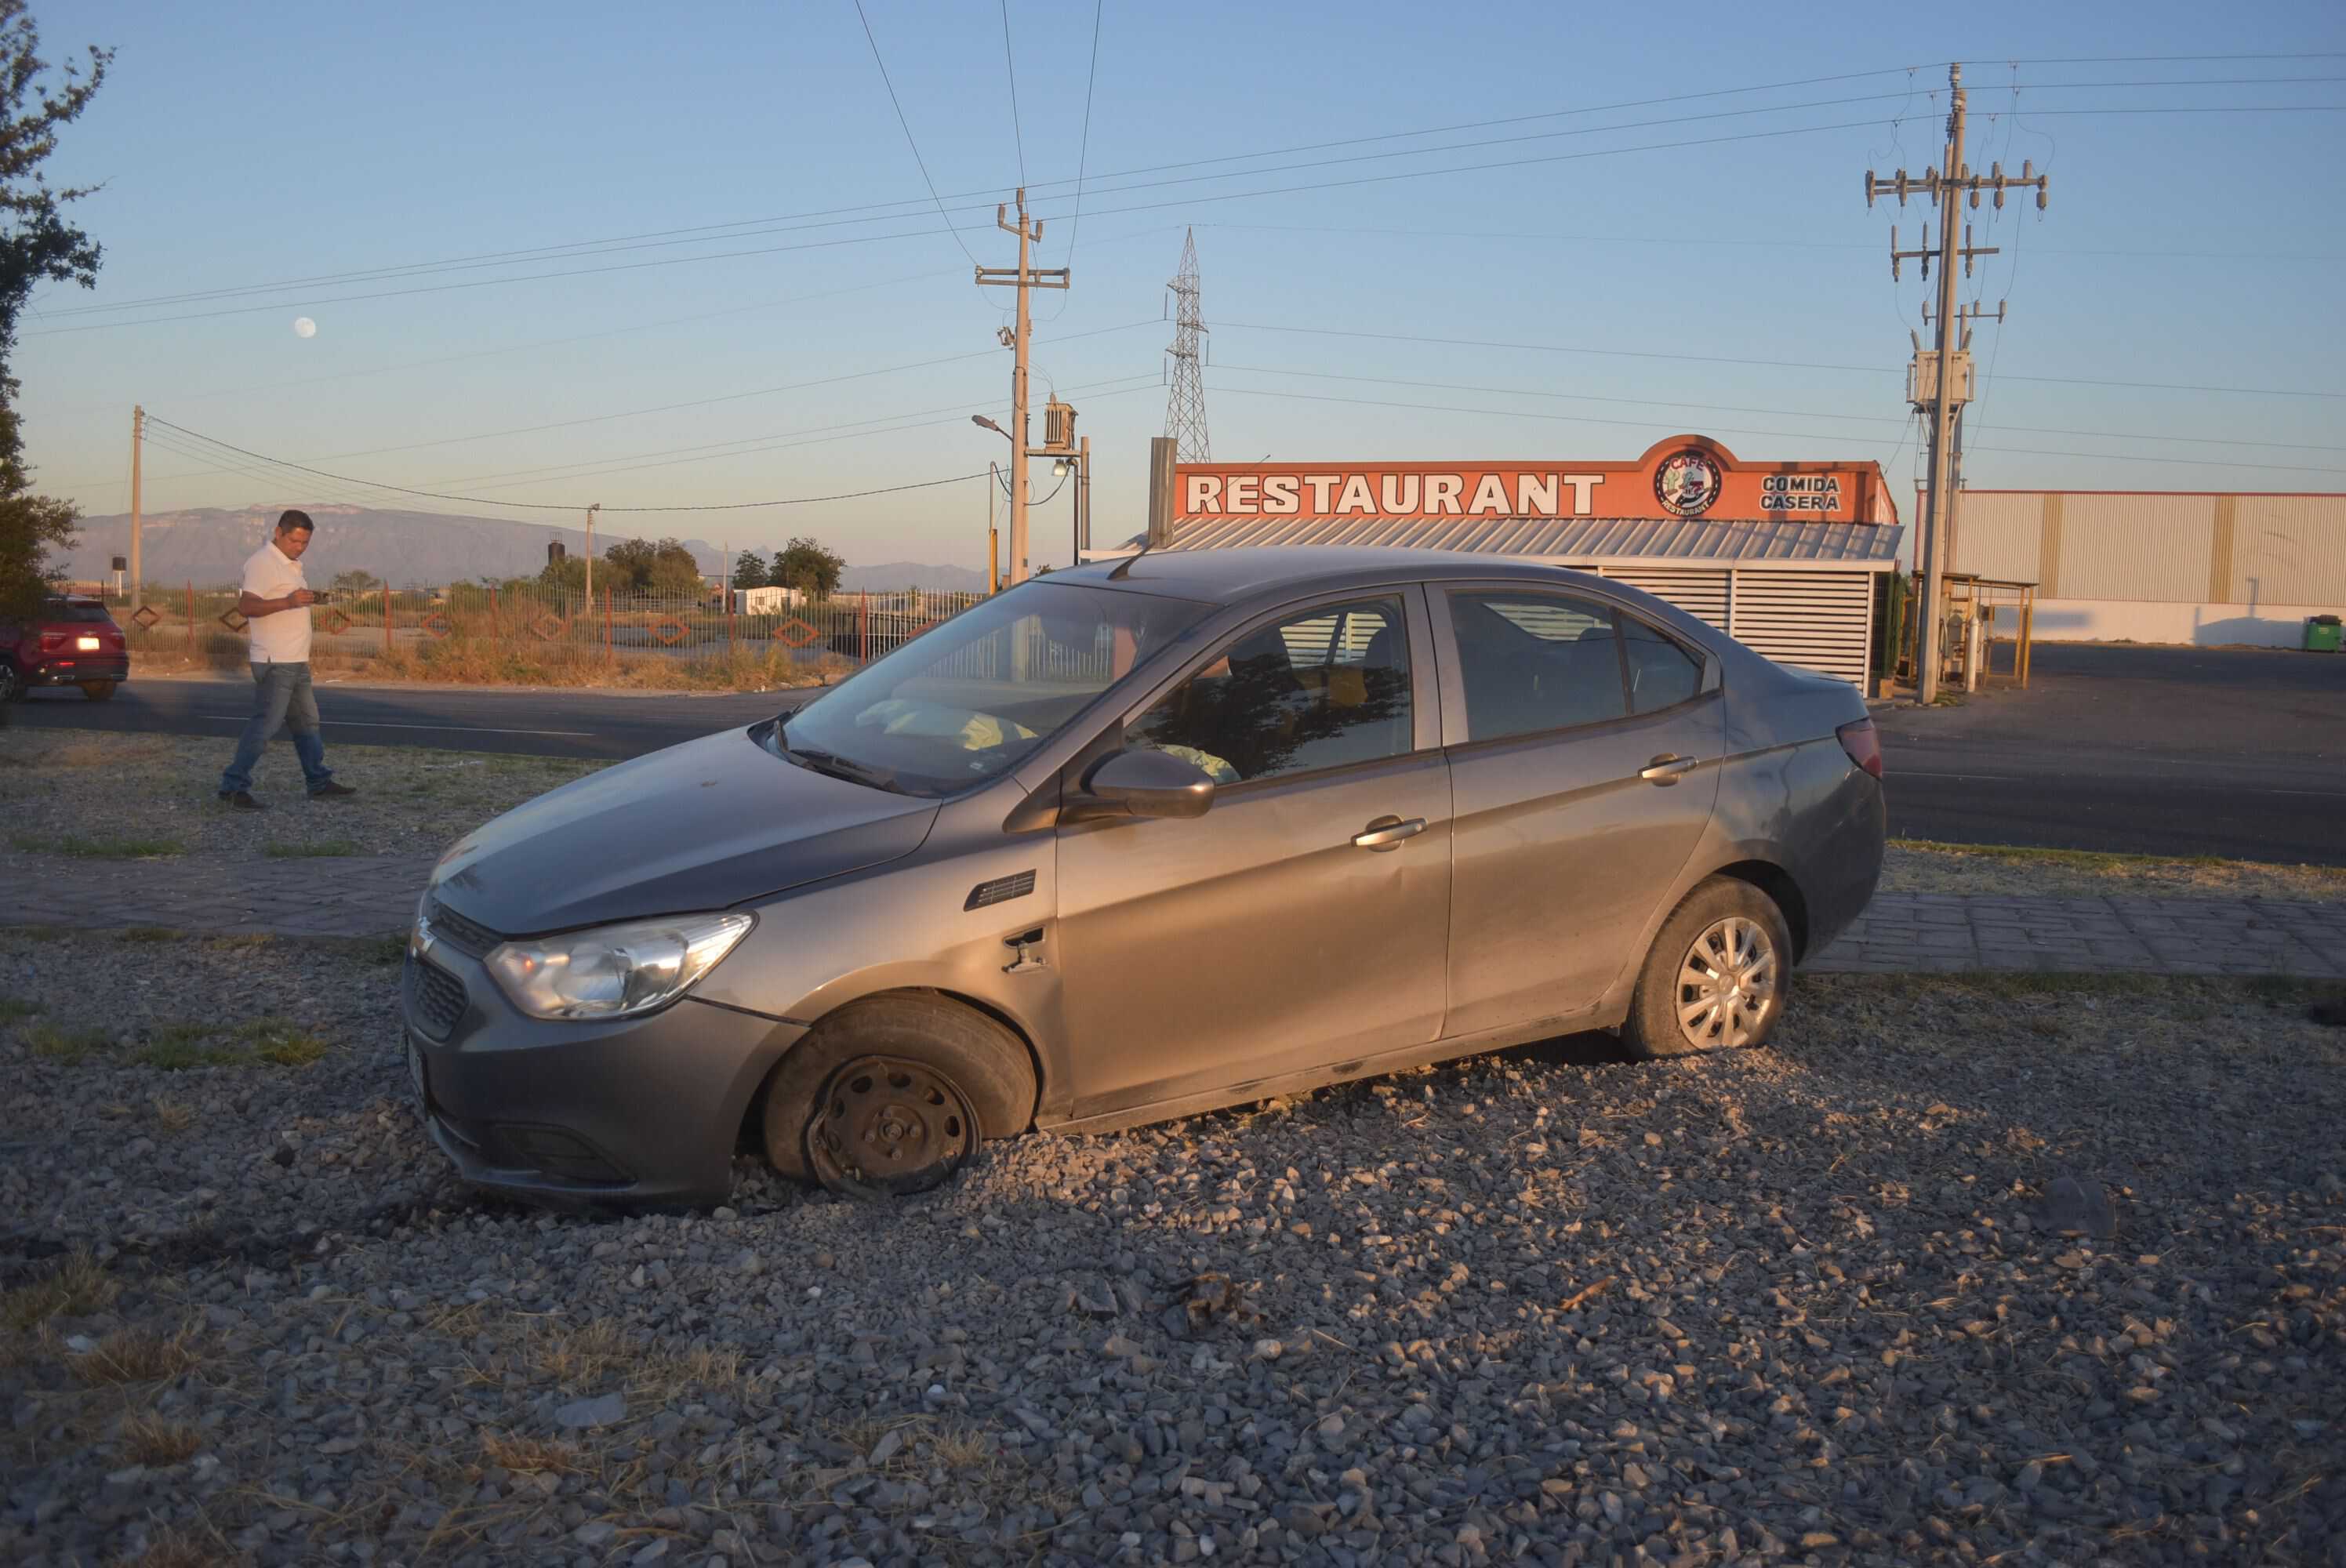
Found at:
[1322, 689]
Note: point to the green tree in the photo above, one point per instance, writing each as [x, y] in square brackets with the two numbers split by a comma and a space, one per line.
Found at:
[568, 575]
[653, 567]
[354, 582]
[749, 570]
[809, 567]
[37, 244]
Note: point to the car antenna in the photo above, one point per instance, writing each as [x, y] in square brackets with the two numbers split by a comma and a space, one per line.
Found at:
[1126, 565]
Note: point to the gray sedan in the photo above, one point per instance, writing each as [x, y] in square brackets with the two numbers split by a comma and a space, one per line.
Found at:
[1132, 843]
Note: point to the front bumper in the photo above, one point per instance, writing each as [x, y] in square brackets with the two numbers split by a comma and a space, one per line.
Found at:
[636, 1112]
[74, 670]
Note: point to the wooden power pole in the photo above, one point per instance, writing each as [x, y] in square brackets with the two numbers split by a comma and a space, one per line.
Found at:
[138, 566]
[1939, 382]
[1024, 278]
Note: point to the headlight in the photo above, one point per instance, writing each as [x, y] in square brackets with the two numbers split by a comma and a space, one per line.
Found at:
[615, 971]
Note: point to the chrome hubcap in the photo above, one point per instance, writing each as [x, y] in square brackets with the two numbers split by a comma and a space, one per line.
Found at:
[1727, 985]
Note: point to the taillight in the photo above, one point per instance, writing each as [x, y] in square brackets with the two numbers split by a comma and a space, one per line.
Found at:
[53, 642]
[1863, 744]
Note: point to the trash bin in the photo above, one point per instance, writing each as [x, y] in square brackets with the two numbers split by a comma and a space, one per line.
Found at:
[2322, 633]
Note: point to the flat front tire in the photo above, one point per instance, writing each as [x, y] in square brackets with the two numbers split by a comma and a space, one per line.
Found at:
[1717, 977]
[893, 1096]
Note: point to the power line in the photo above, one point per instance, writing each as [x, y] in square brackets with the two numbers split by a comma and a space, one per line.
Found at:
[1715, 241]
[710, 228]
[917, 159]
[1083, 157]
[1783, 435]
[567, 507]
[1741, 408]
[1011, 65]
[710, 232]
[1158, 206]
[1767, 363]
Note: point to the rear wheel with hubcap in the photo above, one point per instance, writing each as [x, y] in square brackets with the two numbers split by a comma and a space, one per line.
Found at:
[1717, 977]
[12, 685]
[893, 1096]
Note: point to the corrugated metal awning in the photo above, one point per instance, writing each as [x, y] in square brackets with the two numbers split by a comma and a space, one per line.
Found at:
[1726, 541]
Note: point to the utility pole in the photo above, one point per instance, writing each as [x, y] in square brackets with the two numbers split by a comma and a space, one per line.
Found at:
[1025, 277]
[138, 571]
[1938, 381]
[590, 556]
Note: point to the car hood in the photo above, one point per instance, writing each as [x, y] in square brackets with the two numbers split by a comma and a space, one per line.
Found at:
[700, 826]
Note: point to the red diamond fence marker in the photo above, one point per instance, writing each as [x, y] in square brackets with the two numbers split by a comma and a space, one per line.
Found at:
[337, 622]
[147, 617]
[233, 620]
[435, 624]
[789, 632]
[547, 627]
[668, 631]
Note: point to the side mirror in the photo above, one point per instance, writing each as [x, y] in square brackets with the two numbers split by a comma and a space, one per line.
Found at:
[1148, 783]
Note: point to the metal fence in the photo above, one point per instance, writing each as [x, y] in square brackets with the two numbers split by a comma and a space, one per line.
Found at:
[528, 621]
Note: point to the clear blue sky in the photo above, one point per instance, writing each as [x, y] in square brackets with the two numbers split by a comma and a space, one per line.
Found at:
[245, 145]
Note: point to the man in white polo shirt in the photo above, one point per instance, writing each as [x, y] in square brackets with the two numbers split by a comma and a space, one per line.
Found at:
[276, 600]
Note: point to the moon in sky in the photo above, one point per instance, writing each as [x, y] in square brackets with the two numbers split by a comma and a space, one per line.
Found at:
[303, 327]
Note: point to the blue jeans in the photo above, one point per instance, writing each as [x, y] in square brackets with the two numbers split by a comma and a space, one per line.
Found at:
[281, 695]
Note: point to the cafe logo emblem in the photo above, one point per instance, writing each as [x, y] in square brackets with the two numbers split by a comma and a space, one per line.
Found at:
[1688, 483]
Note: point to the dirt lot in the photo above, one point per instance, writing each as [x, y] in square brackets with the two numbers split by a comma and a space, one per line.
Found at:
[79, 792]
[1993, 870]
[1839, 1301]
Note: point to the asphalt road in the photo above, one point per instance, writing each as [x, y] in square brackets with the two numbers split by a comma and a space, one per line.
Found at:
[2175, 751]
[2190, 751]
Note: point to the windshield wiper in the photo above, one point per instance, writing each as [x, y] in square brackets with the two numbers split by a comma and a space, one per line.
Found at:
[845, 768]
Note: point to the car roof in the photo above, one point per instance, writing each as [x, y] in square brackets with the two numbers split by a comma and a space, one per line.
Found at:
[1230, 577]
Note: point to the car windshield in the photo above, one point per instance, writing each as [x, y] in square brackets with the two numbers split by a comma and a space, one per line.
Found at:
[970, 699]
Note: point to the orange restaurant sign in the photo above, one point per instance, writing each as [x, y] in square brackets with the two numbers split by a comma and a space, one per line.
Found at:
[1684, 476]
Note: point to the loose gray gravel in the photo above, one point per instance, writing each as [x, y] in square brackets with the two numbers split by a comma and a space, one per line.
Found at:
[1814, 1304]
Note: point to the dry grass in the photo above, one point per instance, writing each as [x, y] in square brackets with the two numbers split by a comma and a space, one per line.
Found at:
[521, 1454]
[149, 1440]
[134, 1355]
[13, 1008]
[174, 1115]
[1915, 866]
[469, 662]
[77, 1287]
[575, 1357]
[281, 1043]
[67, 1045]
[177, 1549]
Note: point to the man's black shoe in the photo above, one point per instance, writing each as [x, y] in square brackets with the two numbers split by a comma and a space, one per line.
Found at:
[331, 791]
[241, 800]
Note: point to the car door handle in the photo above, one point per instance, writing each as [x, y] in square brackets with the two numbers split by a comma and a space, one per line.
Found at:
[1665, 769]
[1387, 832]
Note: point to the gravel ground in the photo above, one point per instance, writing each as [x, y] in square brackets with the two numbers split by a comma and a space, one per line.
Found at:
[1998, 1270]
[1914, 868]
[154, 792]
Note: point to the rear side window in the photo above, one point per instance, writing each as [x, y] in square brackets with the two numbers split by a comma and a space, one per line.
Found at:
[1317, 691]
[1531, 662]
[1661, 673]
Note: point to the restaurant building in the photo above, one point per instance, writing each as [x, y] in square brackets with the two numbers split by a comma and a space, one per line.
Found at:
[1786, 557]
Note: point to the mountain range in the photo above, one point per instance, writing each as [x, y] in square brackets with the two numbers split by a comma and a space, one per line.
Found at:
[208, 546]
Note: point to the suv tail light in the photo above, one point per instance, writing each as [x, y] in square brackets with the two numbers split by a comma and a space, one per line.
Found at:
[1863, 744]
[53, 642]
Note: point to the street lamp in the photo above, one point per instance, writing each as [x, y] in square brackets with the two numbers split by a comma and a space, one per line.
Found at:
[980, 419]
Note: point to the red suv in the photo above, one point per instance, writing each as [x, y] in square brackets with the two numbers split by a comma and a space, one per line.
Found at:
[74, 643]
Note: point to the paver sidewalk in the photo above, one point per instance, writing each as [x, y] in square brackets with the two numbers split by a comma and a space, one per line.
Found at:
[1900, 933]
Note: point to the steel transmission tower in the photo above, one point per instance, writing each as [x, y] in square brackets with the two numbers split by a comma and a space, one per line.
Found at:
[1185, 406]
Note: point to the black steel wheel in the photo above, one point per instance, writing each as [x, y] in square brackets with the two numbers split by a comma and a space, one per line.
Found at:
[892, 1094]
[886, 1127]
